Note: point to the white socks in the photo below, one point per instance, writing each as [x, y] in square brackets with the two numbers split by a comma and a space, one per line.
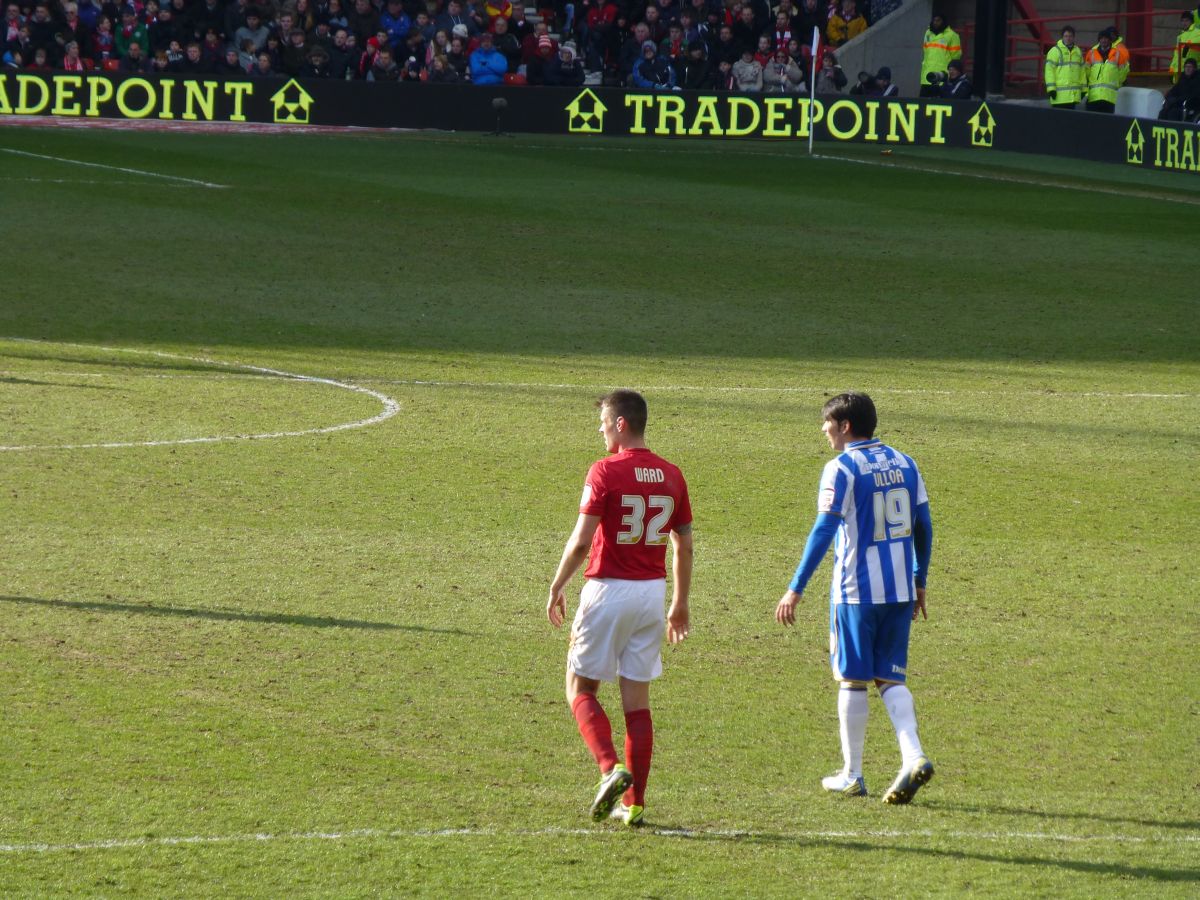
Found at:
[852, 713]
[899, 702]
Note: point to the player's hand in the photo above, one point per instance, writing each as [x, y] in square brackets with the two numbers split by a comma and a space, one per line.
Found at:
[919, 605]
[678, 624]
[785, 612]
[556, 606]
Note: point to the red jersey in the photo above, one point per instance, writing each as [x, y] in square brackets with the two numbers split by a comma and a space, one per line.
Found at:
[640, 499]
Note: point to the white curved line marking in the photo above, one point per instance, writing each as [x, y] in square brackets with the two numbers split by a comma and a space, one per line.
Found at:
[390, 406]
[685, 833]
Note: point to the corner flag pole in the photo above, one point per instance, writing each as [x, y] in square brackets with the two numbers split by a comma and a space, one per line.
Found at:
[812, 90]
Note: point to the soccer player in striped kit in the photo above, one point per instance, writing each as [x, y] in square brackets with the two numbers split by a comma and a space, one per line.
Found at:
[634, 501]
[872, 498]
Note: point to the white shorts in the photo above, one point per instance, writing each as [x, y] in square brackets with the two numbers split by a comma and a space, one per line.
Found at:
[618, 630]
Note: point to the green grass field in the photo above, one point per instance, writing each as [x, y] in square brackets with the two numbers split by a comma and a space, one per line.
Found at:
[317, 664]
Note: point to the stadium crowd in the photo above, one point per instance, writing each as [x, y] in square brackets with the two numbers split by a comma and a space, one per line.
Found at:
[699, 44]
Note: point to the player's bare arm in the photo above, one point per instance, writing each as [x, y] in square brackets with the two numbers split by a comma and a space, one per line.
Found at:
[573, 557]
[678, 616]
[785, 612]
[919, 605]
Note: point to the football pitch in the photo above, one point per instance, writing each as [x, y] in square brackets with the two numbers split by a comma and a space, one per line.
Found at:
[293, 429]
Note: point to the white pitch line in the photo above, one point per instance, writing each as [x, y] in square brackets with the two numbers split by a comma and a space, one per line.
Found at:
[1013, 179]
[683, 833]
[33, 180]
[736, 389]
[390, 406]
[143, 172]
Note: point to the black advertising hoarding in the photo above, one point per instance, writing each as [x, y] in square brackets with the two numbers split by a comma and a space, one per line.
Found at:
[591, 111]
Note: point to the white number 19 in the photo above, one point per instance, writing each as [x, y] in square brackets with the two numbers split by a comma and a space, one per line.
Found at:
[894, 510]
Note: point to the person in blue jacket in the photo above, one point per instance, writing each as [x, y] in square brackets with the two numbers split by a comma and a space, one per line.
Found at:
[653, 71]
[488, 65]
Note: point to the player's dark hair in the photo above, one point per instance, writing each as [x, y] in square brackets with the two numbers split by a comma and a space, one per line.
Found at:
[855, 408]
[629, 405]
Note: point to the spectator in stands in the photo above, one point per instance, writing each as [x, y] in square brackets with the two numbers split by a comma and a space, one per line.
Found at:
[956, 86]
[13, 20]
[765, 51]
[519, 26]
[342, 58]
[782, 76]
[811, 16]
[163, 30]
[193, 62]
[72, 62]
[941, 45]
[43, 31]
[830, 77]
[565, 69]
[364, 20]
[247, 55]
[130, 32]
[159, 63]
[695, 74]
[631, 52]
[596, 30]
[488, 65]
[1182, 102]
[883, 84]
[294, 55]
[395, 21]
[253, 31]
[453, 16]
[384, 67]
[89, 14]
[72, 28]
[506, 43]
[746, 31]
[263, 67]
[747, 73]
[458, 59]
[673, 46]
[653, 71]
[213, 47]
[231, 64]
[783, 31]
[103, 41]
[134, 59]
[441, 72]
[438, 46]
[40, 61]
[235, 18]
[725, 48]
[335, 16]
[846, 24]
[316, 64]
[1187, 44]
[689, 26]
[536, 66]
[531, 46]
[497, 9]
[723, 79]
[413, 53]
[656, 28]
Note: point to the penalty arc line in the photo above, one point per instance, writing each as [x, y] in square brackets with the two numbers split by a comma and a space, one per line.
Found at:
[682, 833]
[390, 406]
[128, 171]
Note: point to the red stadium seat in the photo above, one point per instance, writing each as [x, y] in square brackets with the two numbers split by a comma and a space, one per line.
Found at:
[514, 78]
[111, 65]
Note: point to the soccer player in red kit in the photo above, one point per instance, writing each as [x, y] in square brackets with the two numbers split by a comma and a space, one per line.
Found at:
[632, 501]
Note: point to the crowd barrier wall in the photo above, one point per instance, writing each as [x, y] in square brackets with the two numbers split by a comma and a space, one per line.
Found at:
[593, 111]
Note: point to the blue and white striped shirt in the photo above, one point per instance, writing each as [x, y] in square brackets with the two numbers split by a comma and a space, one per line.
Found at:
[876, 491]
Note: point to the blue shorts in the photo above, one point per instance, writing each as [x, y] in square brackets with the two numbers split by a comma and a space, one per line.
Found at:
[869, 641]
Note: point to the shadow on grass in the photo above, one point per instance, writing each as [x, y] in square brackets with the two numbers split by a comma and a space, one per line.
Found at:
[1049, 814]
[91, 387]
[133, 358]
[1089, 867]
[225, 615]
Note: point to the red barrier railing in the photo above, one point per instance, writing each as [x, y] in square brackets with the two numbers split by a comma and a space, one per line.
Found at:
[1025, 55]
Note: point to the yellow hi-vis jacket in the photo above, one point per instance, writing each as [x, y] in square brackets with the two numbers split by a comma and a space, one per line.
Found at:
[1104, 75]
[1064, 73]
[939, 49]
[1187, 46]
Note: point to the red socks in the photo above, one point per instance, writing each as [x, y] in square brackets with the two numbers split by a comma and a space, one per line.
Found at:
[596, 730]
[639, 747]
